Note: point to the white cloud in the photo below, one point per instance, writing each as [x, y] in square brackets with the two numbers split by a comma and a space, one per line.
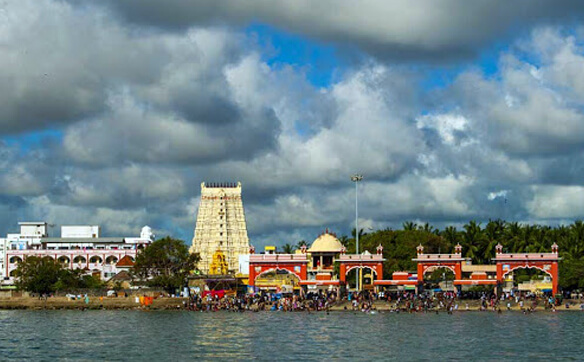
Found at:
[496, 194]
[556, 202]
[447, 125]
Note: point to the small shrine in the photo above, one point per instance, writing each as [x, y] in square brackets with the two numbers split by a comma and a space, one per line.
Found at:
[219, 264]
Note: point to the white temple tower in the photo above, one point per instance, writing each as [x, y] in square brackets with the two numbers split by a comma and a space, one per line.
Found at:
[220, 225]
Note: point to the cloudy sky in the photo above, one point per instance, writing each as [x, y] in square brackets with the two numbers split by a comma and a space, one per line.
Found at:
[114, 112]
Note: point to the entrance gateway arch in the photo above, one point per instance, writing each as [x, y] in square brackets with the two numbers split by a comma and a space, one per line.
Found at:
[546, 262]
[495, 274]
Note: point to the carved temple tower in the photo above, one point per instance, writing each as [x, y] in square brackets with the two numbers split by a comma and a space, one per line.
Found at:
[220, 226]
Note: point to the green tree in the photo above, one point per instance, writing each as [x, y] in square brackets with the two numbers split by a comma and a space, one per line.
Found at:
[472, 240]
[513, 234]
[451, 235]
[288, 248]
[344, 239]
[409, 226]
[165, 263]
[38, 274]
[494, 232]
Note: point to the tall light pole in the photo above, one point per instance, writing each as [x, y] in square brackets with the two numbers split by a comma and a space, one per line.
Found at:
[356, 178]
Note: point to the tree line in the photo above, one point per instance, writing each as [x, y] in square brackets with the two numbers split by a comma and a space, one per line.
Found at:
[478, 243]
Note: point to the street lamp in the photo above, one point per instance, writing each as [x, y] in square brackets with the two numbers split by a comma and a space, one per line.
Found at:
[356, 178]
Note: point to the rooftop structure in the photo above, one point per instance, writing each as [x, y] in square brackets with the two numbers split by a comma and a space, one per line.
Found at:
[326, 243]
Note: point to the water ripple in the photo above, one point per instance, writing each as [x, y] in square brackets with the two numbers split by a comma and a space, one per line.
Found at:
[178, 336]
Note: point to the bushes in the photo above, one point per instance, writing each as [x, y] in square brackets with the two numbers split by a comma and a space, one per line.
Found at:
[44, 275]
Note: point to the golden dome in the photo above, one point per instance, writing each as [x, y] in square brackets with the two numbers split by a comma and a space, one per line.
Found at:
[326, 243]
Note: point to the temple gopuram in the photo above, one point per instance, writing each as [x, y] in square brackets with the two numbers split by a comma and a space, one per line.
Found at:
[221, 231]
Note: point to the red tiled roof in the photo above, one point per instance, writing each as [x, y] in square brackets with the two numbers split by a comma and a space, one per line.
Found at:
[126, 261]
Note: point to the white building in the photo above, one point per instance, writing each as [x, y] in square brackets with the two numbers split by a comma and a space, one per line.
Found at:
[79, 247]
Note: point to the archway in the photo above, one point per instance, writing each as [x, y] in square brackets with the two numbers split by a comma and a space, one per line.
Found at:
[439, 278]
[79, 260]
[111, 260]
[279, 280]
[367, 276]
[95, 260]
[527, 279]
[15, 259]
[64, 260]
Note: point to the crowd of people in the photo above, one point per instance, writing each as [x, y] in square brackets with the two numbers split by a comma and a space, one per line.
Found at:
[527, 302]
[369, 301]
[311, 302]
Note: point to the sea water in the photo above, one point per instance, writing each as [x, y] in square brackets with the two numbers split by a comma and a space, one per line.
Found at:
[181, 336]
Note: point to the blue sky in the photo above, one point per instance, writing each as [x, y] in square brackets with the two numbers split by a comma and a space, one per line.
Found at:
[438, 105]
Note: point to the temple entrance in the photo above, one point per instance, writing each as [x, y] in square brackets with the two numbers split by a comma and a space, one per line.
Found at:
[529, 280]
[278, 281]
[547, 263]
[366, 275]
[369, 266]
[439, 279]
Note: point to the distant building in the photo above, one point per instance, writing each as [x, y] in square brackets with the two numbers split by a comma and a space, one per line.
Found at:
[220, 228]
[79, 247]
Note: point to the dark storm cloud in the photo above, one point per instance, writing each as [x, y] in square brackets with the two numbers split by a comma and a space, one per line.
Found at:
[57, 64]
[428, 29]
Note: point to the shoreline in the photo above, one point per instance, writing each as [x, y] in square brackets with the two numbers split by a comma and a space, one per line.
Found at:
[164, 304]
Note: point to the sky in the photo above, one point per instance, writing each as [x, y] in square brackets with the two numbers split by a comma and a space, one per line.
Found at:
[114, 112]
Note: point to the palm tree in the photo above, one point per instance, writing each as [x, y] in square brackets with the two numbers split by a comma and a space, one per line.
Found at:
[472, 237]
[410, 226]
[494, 234]
[428, 228]
[451, 235]
[526, 239]
[361, 233]
[288, 248]
[344, 239]
[512, 235]
[541, 239]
